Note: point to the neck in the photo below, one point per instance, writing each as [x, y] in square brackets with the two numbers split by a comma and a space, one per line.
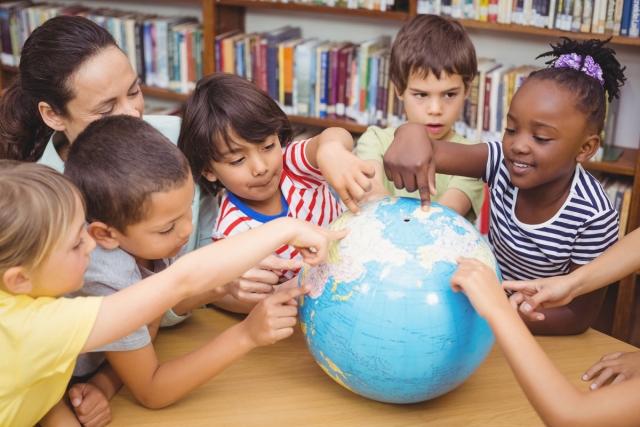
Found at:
[144, 263]
[540, 204]
[271, 206]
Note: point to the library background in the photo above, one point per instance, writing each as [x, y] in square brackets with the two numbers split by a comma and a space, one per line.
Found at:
[326, 62]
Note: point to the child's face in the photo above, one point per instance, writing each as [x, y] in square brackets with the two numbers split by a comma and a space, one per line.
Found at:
[63, 271]
[434, 102]
[545, 135]
[166, 228]
[250, 171]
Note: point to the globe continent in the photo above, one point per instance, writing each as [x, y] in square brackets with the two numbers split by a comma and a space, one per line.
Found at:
[381, 318]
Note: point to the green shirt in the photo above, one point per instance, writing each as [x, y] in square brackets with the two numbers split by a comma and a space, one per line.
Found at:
[376, 141]
[204, 206]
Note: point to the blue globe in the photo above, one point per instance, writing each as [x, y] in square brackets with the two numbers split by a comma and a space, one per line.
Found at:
[381, 319]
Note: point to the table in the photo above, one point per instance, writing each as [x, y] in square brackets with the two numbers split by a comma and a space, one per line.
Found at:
[282, 385]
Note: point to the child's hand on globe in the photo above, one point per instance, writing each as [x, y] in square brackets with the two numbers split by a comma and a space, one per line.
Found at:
[310, 240]
[480, 284]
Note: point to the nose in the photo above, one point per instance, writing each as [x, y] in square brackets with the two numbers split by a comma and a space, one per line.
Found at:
[91, 244]
[129, 109]
[519, 145]
[186, 230]
[434, 106]
[258, 165]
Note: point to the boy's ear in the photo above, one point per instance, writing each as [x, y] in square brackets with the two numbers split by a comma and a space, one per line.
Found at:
[398, 94]
[17, 281]
[50, 118]
[589, 148]
[467, 90]
[103, 235]
[209, 175]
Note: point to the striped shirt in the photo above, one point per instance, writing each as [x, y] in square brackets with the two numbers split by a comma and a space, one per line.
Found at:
[584, 227]
[305, 195]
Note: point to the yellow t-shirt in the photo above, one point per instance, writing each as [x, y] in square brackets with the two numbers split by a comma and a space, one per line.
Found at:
[40, 339]
[376, 141]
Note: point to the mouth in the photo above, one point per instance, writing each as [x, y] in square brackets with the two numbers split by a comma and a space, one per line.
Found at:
[263, 184]
[434, 127]
[521, 167]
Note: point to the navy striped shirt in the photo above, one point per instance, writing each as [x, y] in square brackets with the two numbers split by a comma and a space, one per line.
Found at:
[584, 227]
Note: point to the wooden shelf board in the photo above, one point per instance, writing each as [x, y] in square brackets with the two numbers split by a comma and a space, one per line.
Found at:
[625, 165]
[162, 93]
[10, 69]
[304, 7]
[348, 124]
[524, 29]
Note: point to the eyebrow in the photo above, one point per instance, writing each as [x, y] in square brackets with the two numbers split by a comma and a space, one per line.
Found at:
[540, 124]
[110, 100]
[453, 89]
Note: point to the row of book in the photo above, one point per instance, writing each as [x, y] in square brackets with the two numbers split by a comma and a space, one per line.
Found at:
[618, 190]
[611, 17]
[381, 5]
[164, 52]
[315, 78]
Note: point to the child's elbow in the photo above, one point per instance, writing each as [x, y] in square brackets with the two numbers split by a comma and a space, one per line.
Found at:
[153, 400]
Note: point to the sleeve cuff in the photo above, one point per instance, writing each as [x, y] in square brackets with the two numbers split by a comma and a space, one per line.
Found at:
[171, 319]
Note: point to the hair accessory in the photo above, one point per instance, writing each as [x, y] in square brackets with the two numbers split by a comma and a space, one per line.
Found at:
[573, 60]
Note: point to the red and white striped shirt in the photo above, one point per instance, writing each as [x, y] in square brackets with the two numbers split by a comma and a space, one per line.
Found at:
[305, 195]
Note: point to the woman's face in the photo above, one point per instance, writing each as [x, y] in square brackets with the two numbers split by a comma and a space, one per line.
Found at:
[104, 85]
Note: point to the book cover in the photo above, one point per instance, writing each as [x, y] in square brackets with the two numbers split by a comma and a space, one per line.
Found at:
[322, 72]
[587, 13]
[287, 74]
[333, 78]
[608, 23]
[344, 56]
[617, 17]
[626, 17]
[634, 20]
[273, 38]
[366, 50]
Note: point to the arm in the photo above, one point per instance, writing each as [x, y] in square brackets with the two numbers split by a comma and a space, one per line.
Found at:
[413, 158]
[214, 265]
[156, 386]
[557, 291]
[456, 200]
[60, 415]
[90, 400]
[331, 152]
[553, 397]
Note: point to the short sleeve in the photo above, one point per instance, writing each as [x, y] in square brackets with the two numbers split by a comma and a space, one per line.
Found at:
[473, 188]
[595, 237]
[494, 162]
[53, 335]
[230, 221]
[207, 214]
[374, 143]
[297, 166]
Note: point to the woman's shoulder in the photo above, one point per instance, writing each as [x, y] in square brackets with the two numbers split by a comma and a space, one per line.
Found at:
[169, 126]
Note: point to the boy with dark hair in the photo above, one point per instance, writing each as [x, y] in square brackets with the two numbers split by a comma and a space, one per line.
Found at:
[138, 189]
[433, 62]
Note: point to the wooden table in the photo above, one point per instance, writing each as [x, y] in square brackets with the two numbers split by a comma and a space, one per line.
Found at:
[281, 385]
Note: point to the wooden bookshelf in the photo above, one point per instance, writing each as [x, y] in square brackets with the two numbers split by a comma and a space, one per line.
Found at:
[312, 8]
[625, 165]
[348, 124]
[162, 93]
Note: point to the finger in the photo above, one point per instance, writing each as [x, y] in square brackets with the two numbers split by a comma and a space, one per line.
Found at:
[515, 300]
[273, 262]
[364, 182]
[255, 287]
[357, 192]
[368, 170]
[618, 379]
[515, 285]
[612, 356]
[310, 257]
[592, 371]
[99, 421]
[424, 188]
[604, 376]
[432, 177]
[338, 234]
[284, 322]
[251, 297]
[410, 183]
[75, 394]
[282, 297]
[283, 333]
[351, 204]
[260, 276]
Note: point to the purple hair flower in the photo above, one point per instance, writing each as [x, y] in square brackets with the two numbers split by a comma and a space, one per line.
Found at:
[572, 60]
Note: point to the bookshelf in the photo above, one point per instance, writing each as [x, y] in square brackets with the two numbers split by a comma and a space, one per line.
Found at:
[220, 16]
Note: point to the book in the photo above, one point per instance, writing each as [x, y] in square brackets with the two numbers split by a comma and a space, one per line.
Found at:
[272, 39]
[304, 63]
[626, 17]
[322, 73]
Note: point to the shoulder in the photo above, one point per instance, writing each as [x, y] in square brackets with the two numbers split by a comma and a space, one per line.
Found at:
[109, 270]
[459, 139]
[588, 194]
[51, 158]
[169, 126]
[374, 142]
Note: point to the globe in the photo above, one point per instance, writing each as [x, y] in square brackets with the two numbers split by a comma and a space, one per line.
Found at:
[381, 318]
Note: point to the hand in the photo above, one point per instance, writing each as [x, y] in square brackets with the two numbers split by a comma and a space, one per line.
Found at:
[274, 318]
[346, 173]
[480, 284]
[377, 192]
[285, 286]
[539, 294]
[310, 240]
[409, 162]
[90, 405]
[620, 366]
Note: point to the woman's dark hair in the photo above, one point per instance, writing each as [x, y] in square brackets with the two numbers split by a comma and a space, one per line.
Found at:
[589, 94]
[50, 57]
[221, 109]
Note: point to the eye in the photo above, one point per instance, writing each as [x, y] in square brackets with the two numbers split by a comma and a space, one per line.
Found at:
[106, 113]
[420, 95]
[510, 131]
[134, 93]
[450, 95]
[540, 139]
[270, 146]
[168, 231]
[76, 247]
[237, 162]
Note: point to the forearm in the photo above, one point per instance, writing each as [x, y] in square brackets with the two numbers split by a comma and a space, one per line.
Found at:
[229, 303]
[456, 200]
[571, 319]
[61, 415]
[329, 139]
[107, 380]
[191, 303]
[549, 392]
[174, 379]
[597, 273]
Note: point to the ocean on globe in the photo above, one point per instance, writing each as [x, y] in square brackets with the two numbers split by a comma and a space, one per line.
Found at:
[381, 319]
